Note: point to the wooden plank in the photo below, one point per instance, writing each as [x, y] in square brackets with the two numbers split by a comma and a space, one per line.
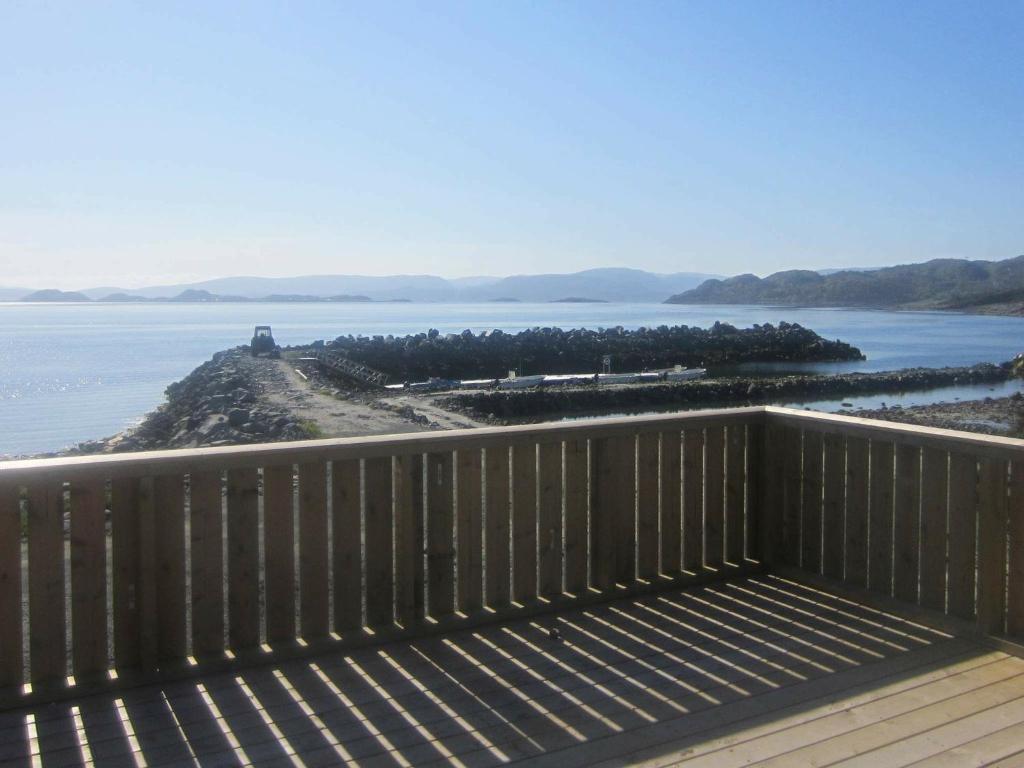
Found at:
[693, 500]
[206, 511]
[792, 494]
[169, 508]
[88, 579]
[469, 502]
[647, 490]
[124, 528]
[313, 550]
[11, 670]
[149, 628]
[992, 524]
[279, 551]
[671, 504]
[1015, 580]
[613, 512]
[906, 528]
[735, 471]
[963, 538]
[880, 517]
[857, 496]
[243, 559]
[833, 522]
[577, 495]
[46, 581]
[549, 520]
[409, 573]
[380, 588]
[810, 503]
[440, 536]
[497, 528]
[934, 482]
[769, 513]
[714, 497]
[346, 511]
[524, 523]
[752, 494]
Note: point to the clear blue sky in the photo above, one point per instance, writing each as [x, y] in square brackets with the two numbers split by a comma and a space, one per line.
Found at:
[142, 145]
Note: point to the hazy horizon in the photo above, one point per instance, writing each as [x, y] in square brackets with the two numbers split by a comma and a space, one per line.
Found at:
[155, 145]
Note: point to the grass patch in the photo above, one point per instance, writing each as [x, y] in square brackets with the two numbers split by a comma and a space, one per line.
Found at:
[312, 429]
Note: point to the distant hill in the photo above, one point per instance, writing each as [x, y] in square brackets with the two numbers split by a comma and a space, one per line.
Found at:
[952, 284]
[612, 284]
[52, 294]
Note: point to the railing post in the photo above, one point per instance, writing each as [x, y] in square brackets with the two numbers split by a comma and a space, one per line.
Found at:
[768, 510]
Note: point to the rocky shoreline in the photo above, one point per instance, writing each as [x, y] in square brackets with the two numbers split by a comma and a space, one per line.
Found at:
[532, 404]
[219, 403]
[1003, 416]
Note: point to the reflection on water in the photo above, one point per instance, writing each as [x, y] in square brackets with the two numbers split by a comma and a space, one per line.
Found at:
[72, 372]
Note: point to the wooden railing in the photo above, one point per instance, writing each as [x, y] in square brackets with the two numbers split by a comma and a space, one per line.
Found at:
[931, 517]
[139, 565]
[136, 565]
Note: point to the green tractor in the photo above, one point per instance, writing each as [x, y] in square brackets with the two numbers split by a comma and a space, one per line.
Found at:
[263, 344]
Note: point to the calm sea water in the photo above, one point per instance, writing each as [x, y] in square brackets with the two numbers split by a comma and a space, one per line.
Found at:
[73, 372]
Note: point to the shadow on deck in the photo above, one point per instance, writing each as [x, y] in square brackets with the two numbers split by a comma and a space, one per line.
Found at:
[722, 674]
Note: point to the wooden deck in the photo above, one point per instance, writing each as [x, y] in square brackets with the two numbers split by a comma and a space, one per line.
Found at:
[754, 670]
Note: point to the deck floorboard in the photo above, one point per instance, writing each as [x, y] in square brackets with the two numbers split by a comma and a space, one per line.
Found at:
[759, 670]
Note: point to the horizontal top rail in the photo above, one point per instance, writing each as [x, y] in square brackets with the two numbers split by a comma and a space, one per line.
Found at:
[121, 465]
[990, 446]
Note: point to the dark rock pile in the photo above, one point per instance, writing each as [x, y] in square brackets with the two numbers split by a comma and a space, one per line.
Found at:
[553, 350]
[217, 404]
[534, 403]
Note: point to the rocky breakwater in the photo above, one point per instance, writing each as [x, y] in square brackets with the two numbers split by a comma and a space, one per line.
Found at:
[492, 354]
[545, 402]
[217, 404]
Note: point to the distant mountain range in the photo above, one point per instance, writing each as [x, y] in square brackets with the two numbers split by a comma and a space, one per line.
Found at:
[613, 284]
[948, 284]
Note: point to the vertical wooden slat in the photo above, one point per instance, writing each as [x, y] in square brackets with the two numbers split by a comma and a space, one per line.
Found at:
[46, 580]
[124, 527]
[549, 520]
[88, 579]
[469, 500]
[149, 629]
[880, 518]
[279, 551]
[963, 538]
[496, 496]
[647, 544]
[409, 574]
[792, 495]
[524, 523]
[753, 495]
[313, 547]
[671, 504]
[577, 470]
[735, 449]
[170, 548]
[380, 595]
[1015, 579]
[992, 519]
[769, 514]
[934, 476]
[440, 536]
[857, 453]
[810, 503]
[832, 515]
[907, 510]
[613, 511]
[11, 672]
[693, 500]
[243, 559]
[206, 512]
[347, 543]
[714, 497]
